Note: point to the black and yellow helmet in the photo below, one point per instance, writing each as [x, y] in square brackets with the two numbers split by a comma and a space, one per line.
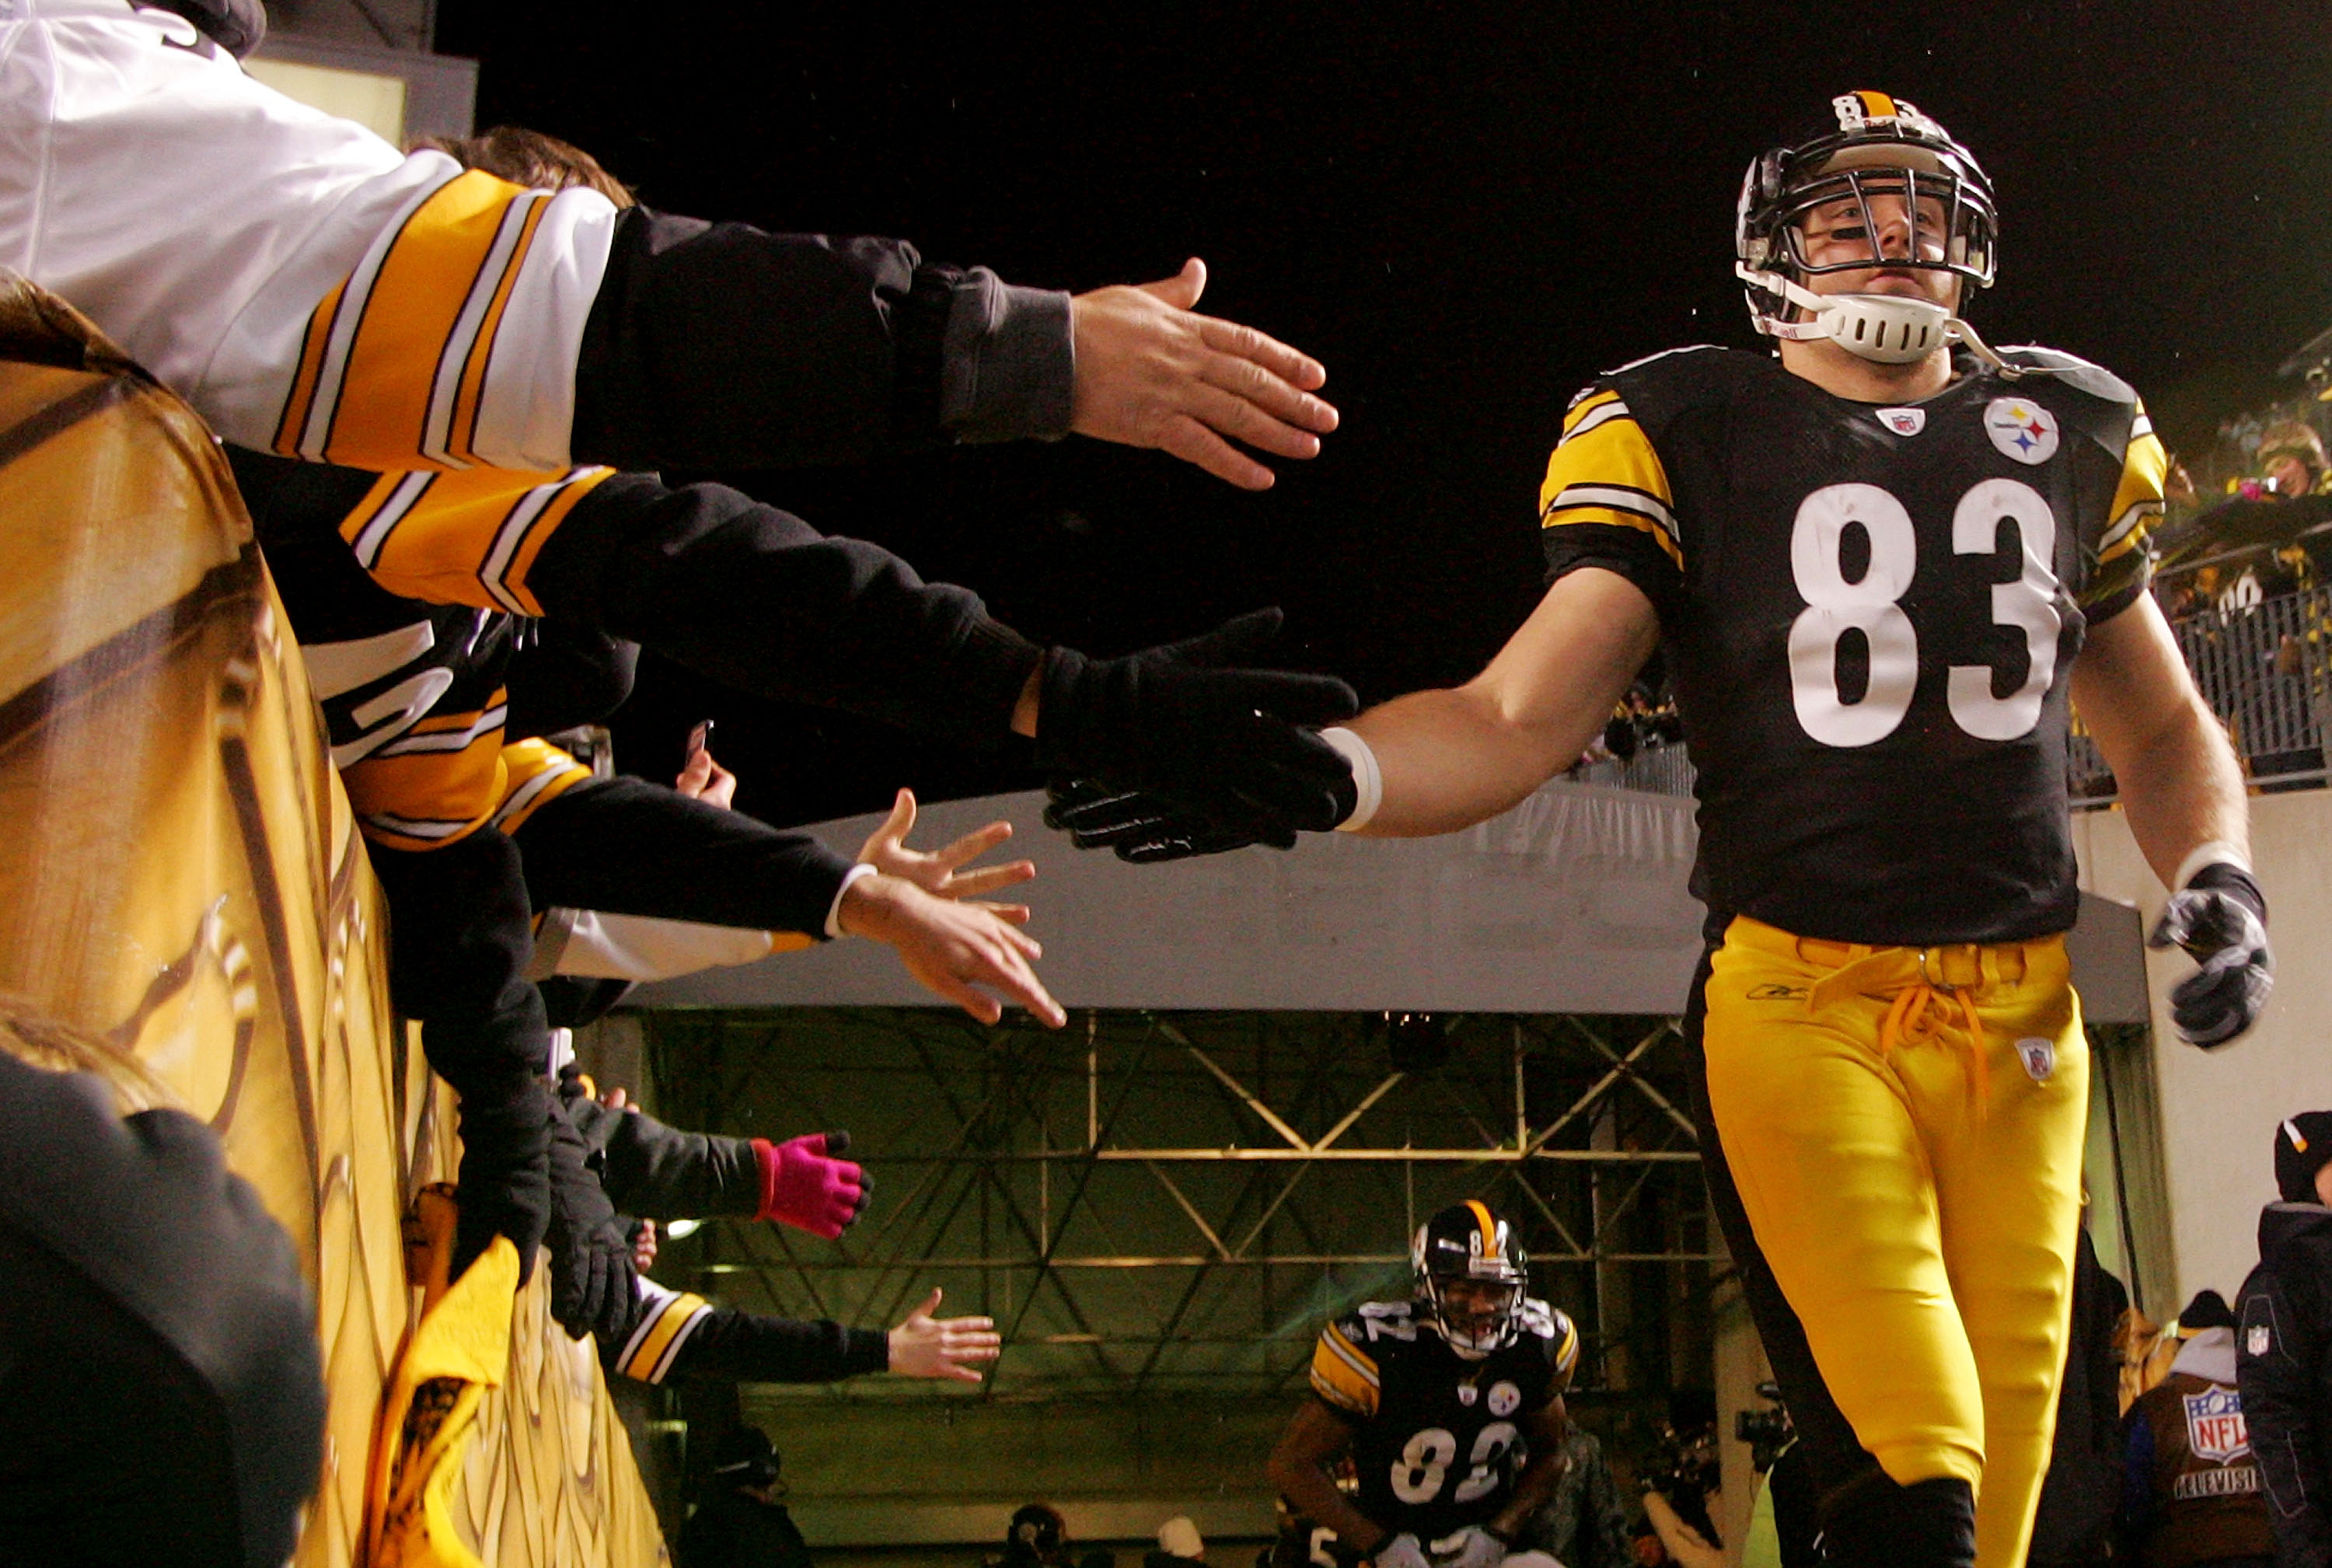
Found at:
[1469, 1241]
[1872, 144]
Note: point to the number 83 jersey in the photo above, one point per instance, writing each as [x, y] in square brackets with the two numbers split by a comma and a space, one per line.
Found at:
[1869, 614]
[1437, 1438]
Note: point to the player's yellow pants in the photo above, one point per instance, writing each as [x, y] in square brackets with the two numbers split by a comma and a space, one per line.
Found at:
[1904, 1130]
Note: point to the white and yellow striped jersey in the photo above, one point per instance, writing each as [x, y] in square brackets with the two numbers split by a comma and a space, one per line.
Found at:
[316, 293]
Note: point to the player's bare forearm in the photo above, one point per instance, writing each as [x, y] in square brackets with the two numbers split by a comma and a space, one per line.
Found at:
[2178, 777]
[1459, 756]
[1298, 1467]
[1546, 1430]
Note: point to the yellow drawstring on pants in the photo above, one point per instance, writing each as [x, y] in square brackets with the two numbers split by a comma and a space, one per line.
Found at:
[1918, 1013]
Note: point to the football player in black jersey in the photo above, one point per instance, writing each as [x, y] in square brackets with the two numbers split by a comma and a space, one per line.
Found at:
[1449, 1406]
[1883, 569]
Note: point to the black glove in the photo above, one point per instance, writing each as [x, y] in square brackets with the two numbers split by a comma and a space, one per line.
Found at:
[505, 1189]
[1142, 828]
[593, 1286]
[2220, 918]
[1220, 744]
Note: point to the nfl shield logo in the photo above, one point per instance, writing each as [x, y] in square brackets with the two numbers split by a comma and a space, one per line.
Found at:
[2039, 1057]
[2259, 1340]
[1904, 420]
[2214, 1425]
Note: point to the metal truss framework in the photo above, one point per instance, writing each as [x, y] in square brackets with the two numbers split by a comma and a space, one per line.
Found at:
[1165, 1201]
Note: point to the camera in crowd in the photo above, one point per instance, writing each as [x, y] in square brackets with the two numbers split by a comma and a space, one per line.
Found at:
[1767, 1431]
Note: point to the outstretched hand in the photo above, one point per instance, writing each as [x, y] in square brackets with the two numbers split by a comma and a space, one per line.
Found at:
[938, 1347]
[954, 948]
[940, 871]
[1152, 372]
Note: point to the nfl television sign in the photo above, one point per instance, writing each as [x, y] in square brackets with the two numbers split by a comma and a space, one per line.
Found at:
[2214, 1425]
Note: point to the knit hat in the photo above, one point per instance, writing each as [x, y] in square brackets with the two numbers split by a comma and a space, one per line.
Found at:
[2302, 1145]
[2209, 1309]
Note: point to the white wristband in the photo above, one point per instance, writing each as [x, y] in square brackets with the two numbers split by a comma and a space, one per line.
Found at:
[833, 910]
[2218, 851]
[1368, 779]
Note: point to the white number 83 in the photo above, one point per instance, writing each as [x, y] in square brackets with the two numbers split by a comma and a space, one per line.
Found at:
[1871, 606]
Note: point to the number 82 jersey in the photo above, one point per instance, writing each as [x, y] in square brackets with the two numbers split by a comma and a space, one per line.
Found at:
[1437, 1440]
[1869, 614]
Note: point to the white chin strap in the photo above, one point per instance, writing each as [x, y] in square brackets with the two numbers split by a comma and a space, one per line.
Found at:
[1885, 328]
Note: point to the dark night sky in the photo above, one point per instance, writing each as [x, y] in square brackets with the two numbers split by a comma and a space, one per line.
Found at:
[1463, 210]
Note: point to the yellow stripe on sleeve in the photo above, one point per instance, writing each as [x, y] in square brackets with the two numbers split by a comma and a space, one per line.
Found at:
[434, 785]
[656, 1344]
[1604, 470]
[2138, 500]
[463, 538]
[469, 393]
[534, 771]
[393, 343]
[1344, 1374]
[1566, 1354]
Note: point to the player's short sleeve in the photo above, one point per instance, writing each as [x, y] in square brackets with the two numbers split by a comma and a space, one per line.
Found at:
[1607, 501]
[2124, 561]
[1557, 1336]
[1345, 1375]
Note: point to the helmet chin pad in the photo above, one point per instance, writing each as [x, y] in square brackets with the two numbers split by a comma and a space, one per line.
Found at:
[1886, 328]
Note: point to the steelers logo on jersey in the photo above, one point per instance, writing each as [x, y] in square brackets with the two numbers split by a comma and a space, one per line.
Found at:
[2020, 428]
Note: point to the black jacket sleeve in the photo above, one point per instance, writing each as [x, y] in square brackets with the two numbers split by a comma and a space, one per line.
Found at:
[460, 933]
[660, 1172]
[2277, 1383]
[561, 675]
[758, 599]
[719, 346]
[732, 1346]
[627, 846]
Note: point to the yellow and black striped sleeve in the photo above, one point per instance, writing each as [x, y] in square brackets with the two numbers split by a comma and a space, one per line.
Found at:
[1345, 1375]
[398, 366]
[2124, 562]
[1607, 501]
[667, 1319]
[534, 772]
[434, 784]
[465, 538]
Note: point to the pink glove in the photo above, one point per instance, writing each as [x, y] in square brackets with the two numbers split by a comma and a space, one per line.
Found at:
[804, 1188]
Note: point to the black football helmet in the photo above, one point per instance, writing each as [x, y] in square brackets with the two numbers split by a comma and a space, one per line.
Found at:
[1467, 1241]
[1878, 146]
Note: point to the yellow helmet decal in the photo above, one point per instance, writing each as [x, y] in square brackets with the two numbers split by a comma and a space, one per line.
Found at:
[1488, 1227]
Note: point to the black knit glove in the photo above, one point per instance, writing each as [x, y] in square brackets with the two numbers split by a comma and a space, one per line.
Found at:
[2220, 918]
[1220, 745]
[594, 1288]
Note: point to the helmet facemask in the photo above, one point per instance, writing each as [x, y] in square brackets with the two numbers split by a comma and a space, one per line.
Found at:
[1472, 1276]
[1899, 160]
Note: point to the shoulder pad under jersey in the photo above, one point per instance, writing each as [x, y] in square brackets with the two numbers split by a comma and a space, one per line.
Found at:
[1539, 1318]
[2071, 370]
[1556, 1333]
[1374, 1320]
[1659, 388]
